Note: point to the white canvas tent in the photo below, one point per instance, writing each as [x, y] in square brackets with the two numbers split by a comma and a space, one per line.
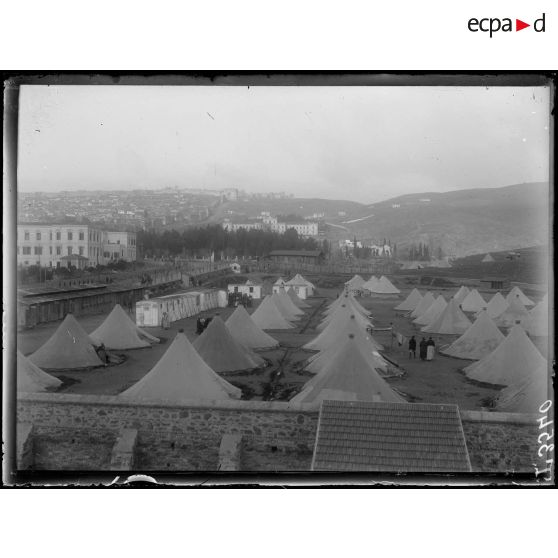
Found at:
[30, 378]
[496, 305]
[425, 303]
[331, 334]
[411, 302]
[222, 352]
[371, 284]
[119, 332]
[478, 341]
[516, 293]
[349, 371]
[515, 314]
[181, 374]
[338, 315]
[460, 295]
[367, 344]
[286, 306]
[268, 316]
[473, 302]
[537, 322]
[245, 331]
[488, 258]
[452, 321]
[525, 397]
[432, 312]
[511, 363]
[68, 348]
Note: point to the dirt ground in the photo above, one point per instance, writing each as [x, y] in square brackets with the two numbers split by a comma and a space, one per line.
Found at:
[436, 381]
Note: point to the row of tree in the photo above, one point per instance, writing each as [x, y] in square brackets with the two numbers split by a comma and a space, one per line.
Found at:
[422, 252]
[200, 242]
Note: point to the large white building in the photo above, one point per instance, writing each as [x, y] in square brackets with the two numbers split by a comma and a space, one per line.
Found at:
[267, 222]
[55, 245]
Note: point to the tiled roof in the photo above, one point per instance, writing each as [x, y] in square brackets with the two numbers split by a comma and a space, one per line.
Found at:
[389, 437]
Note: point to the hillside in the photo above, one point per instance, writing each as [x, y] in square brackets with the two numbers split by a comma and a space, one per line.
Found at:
[284, 206]
[461, 222]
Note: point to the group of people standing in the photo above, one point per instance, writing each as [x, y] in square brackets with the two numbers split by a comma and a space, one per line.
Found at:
[426, 348]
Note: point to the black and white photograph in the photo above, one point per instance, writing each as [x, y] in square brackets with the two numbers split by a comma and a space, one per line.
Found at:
[294, 276]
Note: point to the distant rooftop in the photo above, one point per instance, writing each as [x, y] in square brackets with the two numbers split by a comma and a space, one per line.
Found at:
[390, 437]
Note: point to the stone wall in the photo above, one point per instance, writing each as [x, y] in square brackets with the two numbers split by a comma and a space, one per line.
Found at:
[80, 431]
[501, 442]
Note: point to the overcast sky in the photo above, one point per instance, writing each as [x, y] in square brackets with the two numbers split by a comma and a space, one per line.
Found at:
[360, 143]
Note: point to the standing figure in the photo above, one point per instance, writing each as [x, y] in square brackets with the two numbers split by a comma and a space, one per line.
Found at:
[412, 347]
[422, 349]
[430, 348]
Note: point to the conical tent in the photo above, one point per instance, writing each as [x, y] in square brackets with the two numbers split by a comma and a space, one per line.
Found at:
[245, 331]
[268, 316]
[286, 310]
[433, 311]
[496, 305]
[355, 282]
[119, 332]
[451, 321]
[515, 314]
[287, 304]
[68, 348]
[331, 334]
[371, 284]
[525, 397]
[515, 293]
[478, 341]
[487, 258]
[339, 314]
[222, 352]
[30, 378]
[460, 295]
[297, 301]
[511, 363]
[345, 299]
[411, 302]
[280, 282]
[350, 372]
[368, 345]
[182, 374]
[473, 302]
[385, 286]
[537, 322]
[427, 300]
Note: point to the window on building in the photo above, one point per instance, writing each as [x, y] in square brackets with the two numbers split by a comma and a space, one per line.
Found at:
[81, 235]
[38, 250]
[58, 235]
[26, 235]
[70, 235]
[70, 250]
[26, 262]
[27, 250]
[50, 250]
[58, 250]
[50, 235]
[251, 289]
[38, 235]
[81, 250]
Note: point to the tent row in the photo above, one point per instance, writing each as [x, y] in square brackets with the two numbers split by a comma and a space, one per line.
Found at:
[348, 365]
[438, 316]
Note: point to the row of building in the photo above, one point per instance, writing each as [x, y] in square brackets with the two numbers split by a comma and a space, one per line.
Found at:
[57, 245]
[266, 221]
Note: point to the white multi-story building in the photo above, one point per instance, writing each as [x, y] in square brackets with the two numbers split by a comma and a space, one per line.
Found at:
[120, 246]
[267, 222]
[51, 245]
